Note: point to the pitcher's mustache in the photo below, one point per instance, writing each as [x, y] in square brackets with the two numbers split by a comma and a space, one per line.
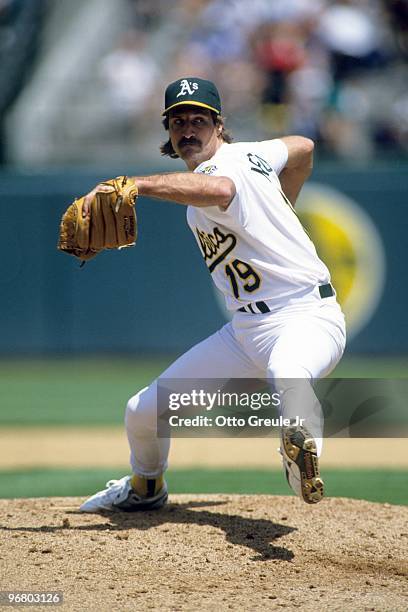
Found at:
[187, 141]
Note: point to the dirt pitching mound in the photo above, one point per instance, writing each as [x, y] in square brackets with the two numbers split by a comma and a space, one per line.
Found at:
[209, 552]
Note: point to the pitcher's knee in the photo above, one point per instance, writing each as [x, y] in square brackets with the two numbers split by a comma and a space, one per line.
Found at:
[286, 369]
[141, 410]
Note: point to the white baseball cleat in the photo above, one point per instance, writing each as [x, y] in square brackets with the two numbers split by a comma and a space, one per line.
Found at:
[119, 495]
[301, 464]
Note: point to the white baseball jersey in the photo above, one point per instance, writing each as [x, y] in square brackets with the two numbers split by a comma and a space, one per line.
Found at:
[256, 249]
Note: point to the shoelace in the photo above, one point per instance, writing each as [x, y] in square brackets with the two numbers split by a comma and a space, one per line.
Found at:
[112, 483]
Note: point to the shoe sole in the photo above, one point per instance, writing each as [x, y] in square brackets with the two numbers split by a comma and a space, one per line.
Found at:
[300, 448]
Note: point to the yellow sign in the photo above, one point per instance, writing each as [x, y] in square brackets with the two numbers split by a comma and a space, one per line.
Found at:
[348, 242]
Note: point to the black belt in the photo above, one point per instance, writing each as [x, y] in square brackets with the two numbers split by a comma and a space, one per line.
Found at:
[324, 290]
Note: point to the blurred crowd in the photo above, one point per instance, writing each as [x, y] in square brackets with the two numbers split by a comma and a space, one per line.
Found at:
[20, 27]
[333, 70]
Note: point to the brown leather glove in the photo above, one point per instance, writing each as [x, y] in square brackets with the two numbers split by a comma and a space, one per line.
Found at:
[112, 223]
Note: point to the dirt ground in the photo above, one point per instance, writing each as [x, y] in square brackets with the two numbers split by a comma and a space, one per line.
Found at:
[214, 552]
[107, 447]
[207, 553]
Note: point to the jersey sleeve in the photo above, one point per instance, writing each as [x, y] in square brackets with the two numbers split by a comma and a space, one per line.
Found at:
[275, 152]
[237, 206]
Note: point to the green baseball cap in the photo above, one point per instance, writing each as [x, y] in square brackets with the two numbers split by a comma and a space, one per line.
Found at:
[193, 91]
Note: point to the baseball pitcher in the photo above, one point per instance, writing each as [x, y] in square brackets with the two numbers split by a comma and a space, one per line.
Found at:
[286, 322]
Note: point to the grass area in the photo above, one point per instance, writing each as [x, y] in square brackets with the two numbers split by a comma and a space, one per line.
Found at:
[377, 486]
[95, 391]
[72, 391]
[372, 367]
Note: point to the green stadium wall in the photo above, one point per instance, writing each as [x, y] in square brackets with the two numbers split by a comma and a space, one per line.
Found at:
[158, 297]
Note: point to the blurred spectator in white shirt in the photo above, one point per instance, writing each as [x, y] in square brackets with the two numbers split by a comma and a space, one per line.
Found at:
[354, 35]
[131, 76]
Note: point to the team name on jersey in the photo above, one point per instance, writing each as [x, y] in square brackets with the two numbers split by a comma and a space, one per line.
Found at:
[216, 245]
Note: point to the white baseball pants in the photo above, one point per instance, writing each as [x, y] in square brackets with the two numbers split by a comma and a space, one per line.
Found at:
[303, 341]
